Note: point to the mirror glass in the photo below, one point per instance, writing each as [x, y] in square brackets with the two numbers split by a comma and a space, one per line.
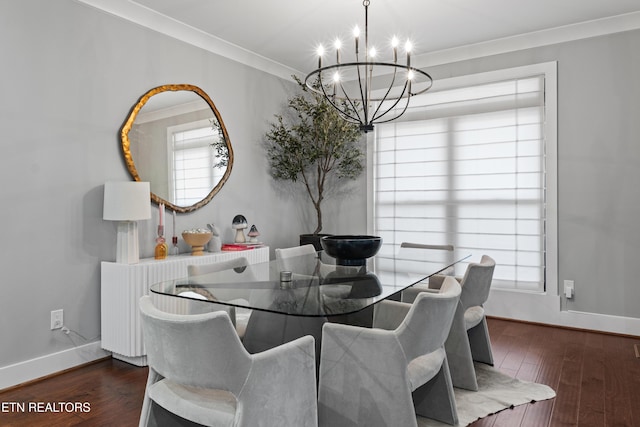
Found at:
[176, 140]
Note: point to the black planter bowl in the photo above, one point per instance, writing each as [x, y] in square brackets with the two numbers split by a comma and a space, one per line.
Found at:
[351, 249]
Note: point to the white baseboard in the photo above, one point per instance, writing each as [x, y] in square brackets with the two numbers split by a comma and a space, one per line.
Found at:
[50, 364]
[545, 308]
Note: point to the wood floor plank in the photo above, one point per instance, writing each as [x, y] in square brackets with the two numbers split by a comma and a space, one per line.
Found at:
[591, 405]
[567, 401]
[616, 375]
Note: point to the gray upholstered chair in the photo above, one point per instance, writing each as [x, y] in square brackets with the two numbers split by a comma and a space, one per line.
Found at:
[265, 329]
[303, 260]
[198, 274]
[385, 375]
[469, 339]
[199, 372]
[300, 259]
[429, 253]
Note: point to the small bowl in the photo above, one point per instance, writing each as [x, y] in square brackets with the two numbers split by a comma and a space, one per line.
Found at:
[351, 249]
[197, 241]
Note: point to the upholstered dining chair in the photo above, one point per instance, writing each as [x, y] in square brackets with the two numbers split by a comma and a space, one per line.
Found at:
[301, 259]
[304, 260]
[469, 339]
[199, 372]
[385, 375]
[265, 329]
[239, 269]
[439, 253]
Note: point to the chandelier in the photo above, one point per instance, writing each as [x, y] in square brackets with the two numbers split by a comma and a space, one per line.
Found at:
[364, 90]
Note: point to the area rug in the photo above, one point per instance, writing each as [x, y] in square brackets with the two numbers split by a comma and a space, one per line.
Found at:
[496, 392]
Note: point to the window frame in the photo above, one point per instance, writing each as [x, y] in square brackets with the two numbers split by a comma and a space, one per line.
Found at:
[549, 70]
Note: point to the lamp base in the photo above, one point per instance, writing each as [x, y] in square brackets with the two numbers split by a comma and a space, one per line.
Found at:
[127, 249]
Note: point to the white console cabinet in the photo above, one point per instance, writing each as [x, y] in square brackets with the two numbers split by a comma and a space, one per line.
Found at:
[122, 285]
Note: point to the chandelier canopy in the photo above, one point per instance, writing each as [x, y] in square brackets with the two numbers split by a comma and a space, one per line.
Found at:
[364, 90]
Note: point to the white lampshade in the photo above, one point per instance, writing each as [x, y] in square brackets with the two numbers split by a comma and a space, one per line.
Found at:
[127, 202]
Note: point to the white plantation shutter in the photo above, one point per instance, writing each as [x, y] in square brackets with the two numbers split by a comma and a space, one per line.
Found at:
[465, 167]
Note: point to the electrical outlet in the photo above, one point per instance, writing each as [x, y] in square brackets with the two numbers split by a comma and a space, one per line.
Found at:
[57, 319]
[569, 289]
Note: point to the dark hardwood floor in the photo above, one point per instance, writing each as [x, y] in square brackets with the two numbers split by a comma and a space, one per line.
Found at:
[596, 378]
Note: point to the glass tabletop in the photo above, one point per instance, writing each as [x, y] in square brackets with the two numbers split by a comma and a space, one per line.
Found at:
[313, 285]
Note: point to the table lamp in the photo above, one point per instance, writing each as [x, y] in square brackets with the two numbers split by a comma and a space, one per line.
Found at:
[127, 202]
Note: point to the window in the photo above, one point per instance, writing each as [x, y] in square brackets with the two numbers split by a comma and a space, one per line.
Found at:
[466, 166]
[193, 171]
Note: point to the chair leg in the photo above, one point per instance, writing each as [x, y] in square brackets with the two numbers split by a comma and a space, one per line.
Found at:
[145, 414]
[435, 399]
[480, 343]
[463, 373]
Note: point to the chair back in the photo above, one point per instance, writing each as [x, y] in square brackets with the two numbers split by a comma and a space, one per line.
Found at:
[476, 282]
[198, 270]
[298, 259]
[427, 324]
[200, 350]
[418, 255]
[426, 246]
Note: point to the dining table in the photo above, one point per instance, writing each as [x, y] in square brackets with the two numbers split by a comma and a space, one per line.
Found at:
[289, 298]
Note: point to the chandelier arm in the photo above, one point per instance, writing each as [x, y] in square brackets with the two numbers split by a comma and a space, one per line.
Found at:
[406, 105]
[329, 99]
[393, 80]
[352, 104]
[362, 98]
[395, 103]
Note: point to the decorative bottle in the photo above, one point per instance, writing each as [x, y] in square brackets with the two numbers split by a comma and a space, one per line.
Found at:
[162, 249]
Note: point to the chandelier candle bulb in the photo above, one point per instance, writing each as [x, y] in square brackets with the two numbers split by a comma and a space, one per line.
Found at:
[394, 45]
[356, 35]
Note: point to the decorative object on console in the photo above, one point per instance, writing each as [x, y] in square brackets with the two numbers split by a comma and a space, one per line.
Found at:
[174, 238]
[253, 234]
[161, 249]
[127, 202]
[351, 249]
[346, 85]
[215, 244]
[239, 224]
[197, 238]
[226, 247]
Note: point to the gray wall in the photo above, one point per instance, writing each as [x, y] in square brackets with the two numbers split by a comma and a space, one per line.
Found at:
[598, 158]
[69, 76]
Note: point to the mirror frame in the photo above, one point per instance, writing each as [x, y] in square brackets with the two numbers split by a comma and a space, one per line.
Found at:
[126, 143]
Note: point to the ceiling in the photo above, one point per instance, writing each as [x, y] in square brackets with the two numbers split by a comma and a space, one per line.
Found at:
[287, 32]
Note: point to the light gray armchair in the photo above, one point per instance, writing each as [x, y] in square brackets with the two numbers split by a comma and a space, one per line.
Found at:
[469, 339]
[303, 260]
[300, 259]
[266, 329]
[200, 372]
[198, 274]
[385, 375]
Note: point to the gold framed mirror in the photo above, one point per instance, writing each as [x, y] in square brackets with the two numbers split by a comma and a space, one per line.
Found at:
[175, 139]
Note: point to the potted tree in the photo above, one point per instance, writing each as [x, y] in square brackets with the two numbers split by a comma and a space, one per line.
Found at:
[315, 147]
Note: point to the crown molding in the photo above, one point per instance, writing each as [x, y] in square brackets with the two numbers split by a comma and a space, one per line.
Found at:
[148, 18]
[567, 33]
[153, 20]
